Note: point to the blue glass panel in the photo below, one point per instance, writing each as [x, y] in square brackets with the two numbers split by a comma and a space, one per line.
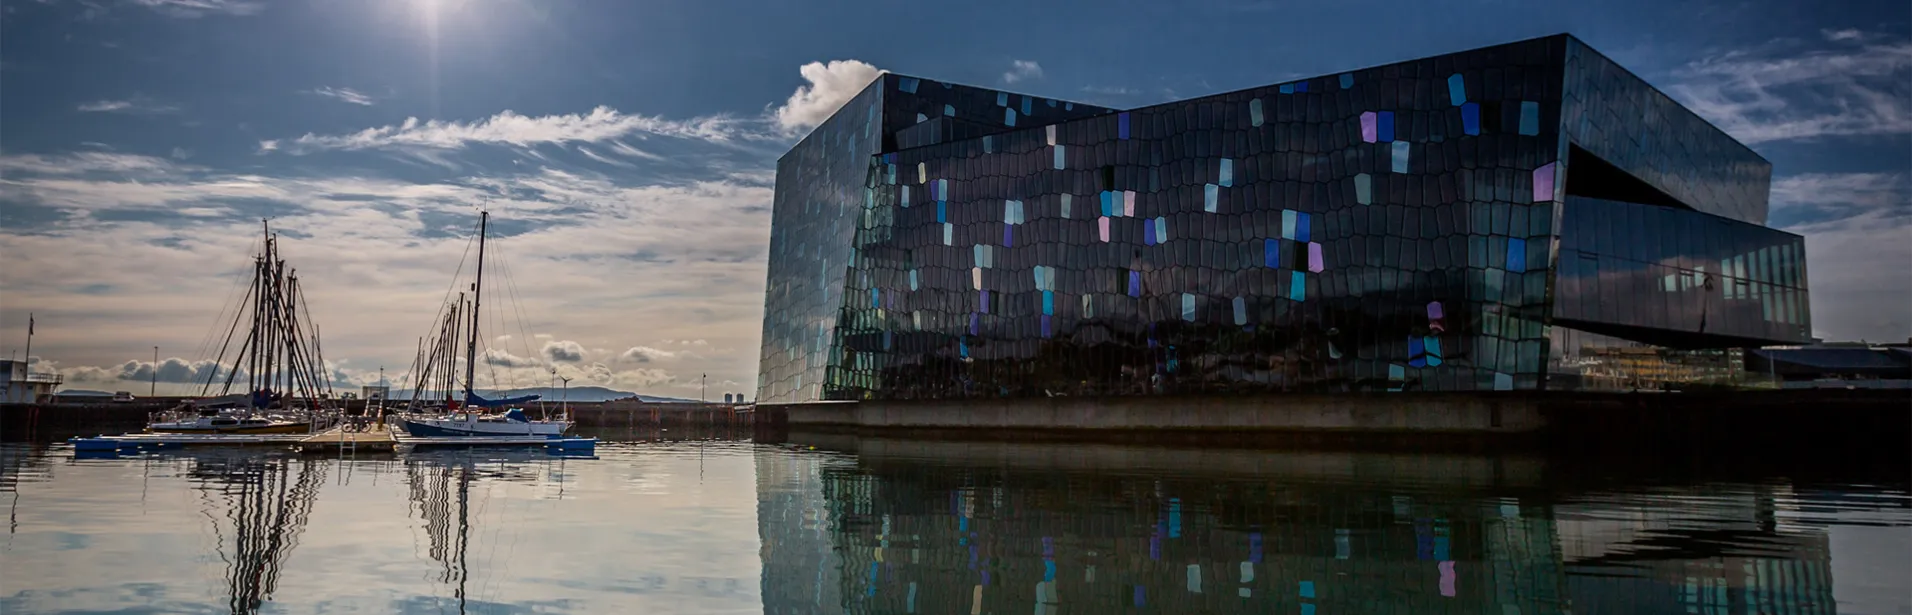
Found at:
[1516, 254]
[1211, 195]
[1415, 355]
[1108, 203]
[949, 110]
[1529, 117]
[1297, 287]
[1271, 253]
[1060, 155]
[1456, 89]
[989, 144]
[1363, 189]
[1470, 118]
[876, 296]
[1047, 331]
[1433, 347]
[1002, 99]
[1008, 235]
[1396, 372]
[1026, 110]
[913, 283]
[1148, 232]
[1301, 226]
[1347, 80]
[1301, 87]
[1009, 117]
[1384, 126]
[907, 84]
[1188, 307]
[1241, 311]
[1048, 302]
[1067, 201]
[1227, 172]
[1254, 112]
[1400, 156]
[942, 212]
[1161, 230]
[1287, 88]
[1121, 125]
[1135, 283]
[1288, 224]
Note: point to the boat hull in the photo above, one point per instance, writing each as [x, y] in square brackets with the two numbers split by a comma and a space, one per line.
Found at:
[237, 429]
[449, 428]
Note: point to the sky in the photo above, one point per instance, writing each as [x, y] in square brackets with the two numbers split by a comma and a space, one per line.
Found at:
[627, 151]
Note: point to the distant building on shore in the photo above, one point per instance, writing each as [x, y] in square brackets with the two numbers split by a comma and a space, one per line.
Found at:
[19, 385]
[1838, 365]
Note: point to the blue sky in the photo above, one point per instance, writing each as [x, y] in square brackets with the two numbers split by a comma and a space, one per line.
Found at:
[628, 148]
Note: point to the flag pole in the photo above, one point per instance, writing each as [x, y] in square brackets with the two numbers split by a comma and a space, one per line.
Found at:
[29, 344]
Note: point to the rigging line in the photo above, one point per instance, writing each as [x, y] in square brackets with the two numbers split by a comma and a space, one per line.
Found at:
[205, 344]
[220, 362]
[511, 288]
[455, 276]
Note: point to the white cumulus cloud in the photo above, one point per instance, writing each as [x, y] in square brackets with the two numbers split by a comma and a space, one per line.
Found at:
[564, 351]
[831, 85]
[1022, 69]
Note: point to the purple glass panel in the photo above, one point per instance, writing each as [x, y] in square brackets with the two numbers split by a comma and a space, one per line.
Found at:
[1008, 235]
[975, 324]
[1434, 311]
[985, 305]
[1544, 183]
[1314, 257]
[1367, 127]
[1046, 332]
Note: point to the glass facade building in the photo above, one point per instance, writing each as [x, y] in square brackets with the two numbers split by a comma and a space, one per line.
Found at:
[1524, 216]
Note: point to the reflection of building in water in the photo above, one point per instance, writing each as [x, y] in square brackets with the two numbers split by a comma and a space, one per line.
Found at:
[1721, 553]
[800, 565]
[267, 502]
[907, 538]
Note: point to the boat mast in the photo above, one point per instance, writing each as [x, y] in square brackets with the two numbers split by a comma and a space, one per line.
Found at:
[471, 347]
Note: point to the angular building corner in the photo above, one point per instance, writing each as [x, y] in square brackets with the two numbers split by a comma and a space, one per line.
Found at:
[1518, 217]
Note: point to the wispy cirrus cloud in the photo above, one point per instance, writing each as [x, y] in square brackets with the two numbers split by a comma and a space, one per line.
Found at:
[199, 8]
[1779, 92]
[134, 106]
[509, 128]
[347, 95]
[1110, 90]
[1022, 70]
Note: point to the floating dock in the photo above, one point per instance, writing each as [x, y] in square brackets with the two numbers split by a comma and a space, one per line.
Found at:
[558, 442]
[377, 439]
[151, 441]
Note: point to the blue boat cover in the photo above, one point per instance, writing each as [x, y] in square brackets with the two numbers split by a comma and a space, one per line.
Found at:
[516, 415]
[472, 399]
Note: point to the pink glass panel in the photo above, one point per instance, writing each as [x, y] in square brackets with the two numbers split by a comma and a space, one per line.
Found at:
[1103, 224]
[1367, 127]
[1314, 257]
[1544, 183]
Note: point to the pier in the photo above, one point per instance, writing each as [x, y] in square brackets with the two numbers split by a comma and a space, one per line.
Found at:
[375, 439]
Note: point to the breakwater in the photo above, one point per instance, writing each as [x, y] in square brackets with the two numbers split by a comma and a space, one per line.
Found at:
[22, 422]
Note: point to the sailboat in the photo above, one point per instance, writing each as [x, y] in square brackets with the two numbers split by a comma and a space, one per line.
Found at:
[285, 386]
[472, 416]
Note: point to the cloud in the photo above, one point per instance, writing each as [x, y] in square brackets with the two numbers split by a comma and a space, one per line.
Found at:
[831, 85]
[1778, 93]
[502, 358]
[137, 105]
[1110, 90]
[174, 370]
[1814, 197]
[644, 354]
[564, 351]
[625, 149]
[1848, 34]
[197, 8]
[509, 128]
[1856, 225]
[84, 163]
[1020, 70]
[595, 156]
[344, 95]
[180, 153]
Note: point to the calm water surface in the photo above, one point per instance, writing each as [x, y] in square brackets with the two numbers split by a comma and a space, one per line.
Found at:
[842, 524]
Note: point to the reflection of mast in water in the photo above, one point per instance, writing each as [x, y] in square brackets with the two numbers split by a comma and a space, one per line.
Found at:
[268, 507]
[433, 491]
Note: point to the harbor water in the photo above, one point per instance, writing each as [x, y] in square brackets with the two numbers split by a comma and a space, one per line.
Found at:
[846, 524]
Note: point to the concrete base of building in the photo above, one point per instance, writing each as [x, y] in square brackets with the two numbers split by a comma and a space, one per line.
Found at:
[1352, 413]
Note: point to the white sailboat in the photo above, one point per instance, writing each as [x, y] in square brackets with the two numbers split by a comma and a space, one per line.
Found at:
[473, 416]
